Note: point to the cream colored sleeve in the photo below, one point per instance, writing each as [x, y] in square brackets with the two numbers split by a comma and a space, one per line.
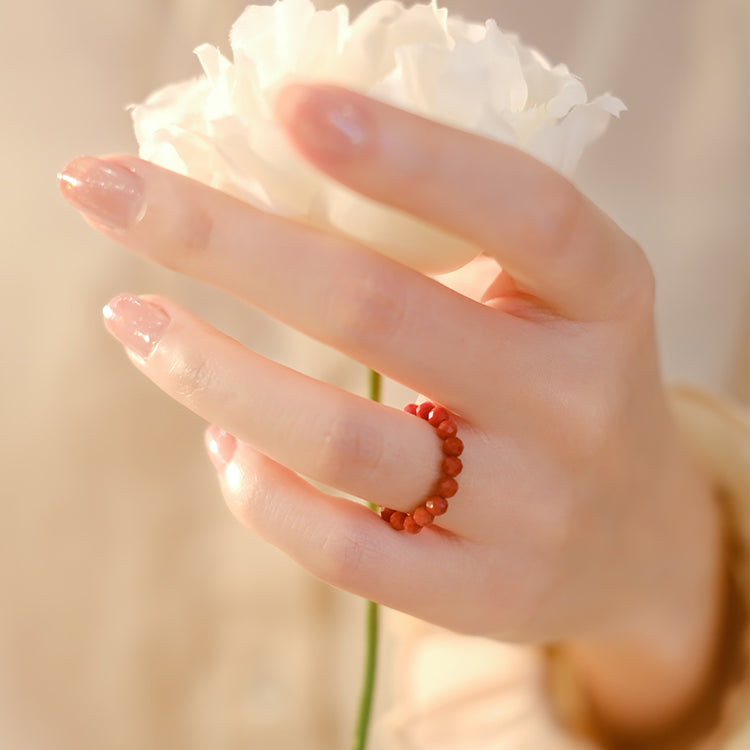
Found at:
[718, 433]
[456, 692]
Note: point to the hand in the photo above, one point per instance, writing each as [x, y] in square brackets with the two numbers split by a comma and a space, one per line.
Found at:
[579, 517]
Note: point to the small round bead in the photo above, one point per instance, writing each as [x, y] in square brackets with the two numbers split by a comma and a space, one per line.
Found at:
[423, 410]
[453, 446]
[447, 428]
[397, 520]
[436, 505]
[423, 516]
[411, 409]
[447, 487]
[439, 414]
[411, 525]
[386, 514]
[452, 466]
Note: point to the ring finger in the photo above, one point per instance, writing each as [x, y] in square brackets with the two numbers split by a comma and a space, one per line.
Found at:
[326, 434]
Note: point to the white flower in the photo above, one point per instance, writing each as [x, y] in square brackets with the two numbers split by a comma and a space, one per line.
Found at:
[219, 128]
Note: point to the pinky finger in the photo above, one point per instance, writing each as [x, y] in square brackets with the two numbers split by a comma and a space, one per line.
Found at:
[335, 539]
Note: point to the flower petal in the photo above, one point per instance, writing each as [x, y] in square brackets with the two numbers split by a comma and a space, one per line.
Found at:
[220, 129]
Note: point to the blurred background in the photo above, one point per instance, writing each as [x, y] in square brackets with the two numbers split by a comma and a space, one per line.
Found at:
[134, 611]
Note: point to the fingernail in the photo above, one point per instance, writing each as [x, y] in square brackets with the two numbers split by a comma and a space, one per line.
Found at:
[107, 192]
[136, 323]
[221, 447]
[325, 121]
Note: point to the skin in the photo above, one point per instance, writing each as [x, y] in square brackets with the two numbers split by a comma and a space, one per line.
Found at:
[580, 518]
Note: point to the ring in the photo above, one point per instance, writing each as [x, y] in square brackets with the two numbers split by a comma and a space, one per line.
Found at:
[446, 486]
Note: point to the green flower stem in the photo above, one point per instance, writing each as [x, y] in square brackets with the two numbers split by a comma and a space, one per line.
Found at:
[376, 382]
[371, 630]
[368, 680]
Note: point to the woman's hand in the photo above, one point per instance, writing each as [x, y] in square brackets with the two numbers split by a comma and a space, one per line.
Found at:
[578, 518]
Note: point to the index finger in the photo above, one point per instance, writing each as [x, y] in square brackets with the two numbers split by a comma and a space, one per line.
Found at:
[553, 241]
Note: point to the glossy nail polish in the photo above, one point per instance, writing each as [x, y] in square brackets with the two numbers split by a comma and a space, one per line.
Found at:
[221, 447]
[138, 324]
[109, 193]
[324, 121]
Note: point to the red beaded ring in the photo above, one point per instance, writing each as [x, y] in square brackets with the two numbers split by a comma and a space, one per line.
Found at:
[446, 486]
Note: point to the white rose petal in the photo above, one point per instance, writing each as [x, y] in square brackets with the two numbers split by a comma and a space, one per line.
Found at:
[219, 127]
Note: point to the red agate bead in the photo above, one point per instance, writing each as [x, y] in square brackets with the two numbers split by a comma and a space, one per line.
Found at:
[423, 410]
[439, 414]
[447, 487]
[452, 466]
[397, 520]
[411, 525]
[423, 516]
[447, 429]
[453, 446]
[437, 505]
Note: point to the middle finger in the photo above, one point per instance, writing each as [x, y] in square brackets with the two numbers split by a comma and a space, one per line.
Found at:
[385, 315]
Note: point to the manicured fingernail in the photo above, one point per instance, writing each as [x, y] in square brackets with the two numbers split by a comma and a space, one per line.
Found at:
[136, 323]
[107, 192]
[221, 447]
[325, 121]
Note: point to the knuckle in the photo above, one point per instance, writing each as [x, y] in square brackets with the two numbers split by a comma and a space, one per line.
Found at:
[578, 242]
[347, 449]
[369, 307]
[191, 375]
[198, 233]
[627, 283]
[595, 424]
[640, 295]
[344, 554]
[253, 501]
[190, 237]
[556, 227]
[563, 519]
[244, 502]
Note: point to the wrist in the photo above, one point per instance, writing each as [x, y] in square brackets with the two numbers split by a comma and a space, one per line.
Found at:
[645, 667]
[718, 437]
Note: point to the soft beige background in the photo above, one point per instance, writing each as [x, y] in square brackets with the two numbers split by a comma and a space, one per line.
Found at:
[135, 613]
